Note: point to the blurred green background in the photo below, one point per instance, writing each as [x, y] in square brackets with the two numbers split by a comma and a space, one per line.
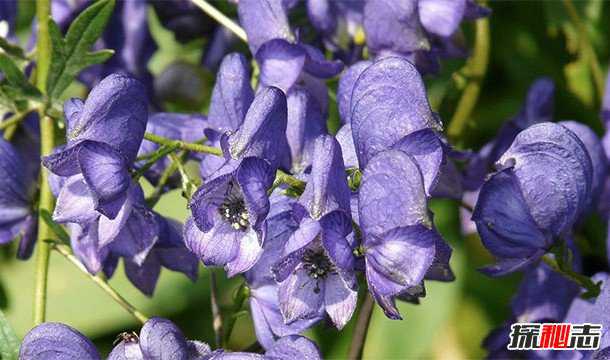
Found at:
[528, 39]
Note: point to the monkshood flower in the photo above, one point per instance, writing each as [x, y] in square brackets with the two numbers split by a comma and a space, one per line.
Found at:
[103, 137]
[185, 127]
[145, 240]
[399, 243]
[283, 61]
[316, 269]
[542, 187]
[158, 339]
[384, 115]
[228, 210]
[268, 321]
[423, 30]
[17, 217]
[537, 108]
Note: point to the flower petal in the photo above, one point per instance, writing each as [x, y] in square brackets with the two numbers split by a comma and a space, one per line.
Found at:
[388, 102]
[263, 21]
[250, 250]
[317, 65]
[137, 236]
[339, 300]
[345, 88]
[216, 247]
[327, 188]
[293, 347]
[263, 133]
[391, 193]
[161, 339]
[232, 94]
[144, 276]
[114, 113]
[105, 172]
[281, 63]
[75, 202]
[441, 17]
[255, 178]
[301, 297]
[57, 341]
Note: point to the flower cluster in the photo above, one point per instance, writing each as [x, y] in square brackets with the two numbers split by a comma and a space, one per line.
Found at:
[308, 217]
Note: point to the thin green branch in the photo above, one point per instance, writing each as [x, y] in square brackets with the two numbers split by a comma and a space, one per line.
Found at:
[183, 145]
[101, 282]
[156, 156]
[592, 288]
[13, 120]
[222, 19]
[475, 70]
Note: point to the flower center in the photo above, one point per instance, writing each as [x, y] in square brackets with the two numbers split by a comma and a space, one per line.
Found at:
[317, 264]
[233, 209]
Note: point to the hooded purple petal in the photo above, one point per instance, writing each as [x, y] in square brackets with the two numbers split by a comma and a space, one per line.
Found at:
[56, 341]
[388, 102]
[346, 140]
[391, 194]
[263, 20]
[255, 178]
[441, 17]
[504, 221]
[554, 172]
[232, 94]
[114, 113]
[304, 123]
[161, 339]
[281, 63]
[327, 188]
[394, 25]
[345, 87]
[263, 133]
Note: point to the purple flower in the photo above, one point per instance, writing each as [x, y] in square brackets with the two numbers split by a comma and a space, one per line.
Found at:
[424, 30]
[264, 301]
[346, 86]
[283, 62]
[537, 108]
[57, 341]
[185, 127]
[338, 21]
[16, 191]
[159, 339]
[316, 270]
[543, 186]
[400, 245]
[143, 238]
[384, 115]
[103, 137]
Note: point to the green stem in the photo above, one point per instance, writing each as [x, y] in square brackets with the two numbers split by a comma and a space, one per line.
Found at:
[13, 120]
[475, 70]
[183, 145]
[592, 289]
[47, 136]
[596, 69]
[221, 18]
[101, 282]
[243, 292]
[361, 329]
[156, 156]
[165, 176]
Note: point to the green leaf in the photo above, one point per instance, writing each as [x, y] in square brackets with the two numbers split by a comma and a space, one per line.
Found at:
[9, 343]
[12, 50]
[55, 227]
[15, 77]
[71, 55]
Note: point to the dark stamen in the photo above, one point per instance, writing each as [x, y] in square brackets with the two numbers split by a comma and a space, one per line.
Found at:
[233, 209]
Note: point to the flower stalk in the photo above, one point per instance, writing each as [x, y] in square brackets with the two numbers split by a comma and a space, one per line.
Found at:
[361, 329]
[221, 18]
[47, 143]
[475, 70]
[100, 281]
